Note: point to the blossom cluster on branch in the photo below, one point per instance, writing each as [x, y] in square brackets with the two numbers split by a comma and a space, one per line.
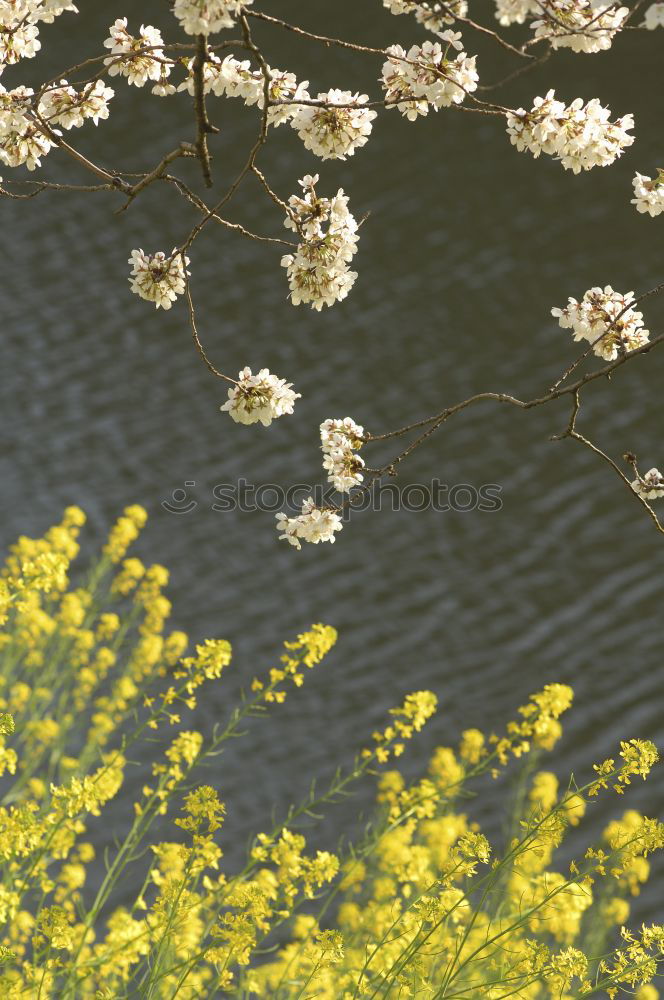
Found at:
[580, 25]
[607, 320]
[203, 17]
[581, 136]
[158, 277]
[429, 75]
[318, 272]
[259, 398]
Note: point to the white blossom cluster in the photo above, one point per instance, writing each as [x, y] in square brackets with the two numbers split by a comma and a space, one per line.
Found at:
[580, 135]
[64, 105]
[339, 439]
[158, 277]
[202, 17]
[19, 32]
[579, 25]
[430, 14]
[22, 137]
[328, 130]
[235, 78]
[649, 193]
[334, 132]
[606, 319]
[314, 524]
[515, 11]
[262, 397]
[650, 486]
[318, 272]
[21, 140]
[137, 68]
[212, 69]
[426, 76]
[654, 16]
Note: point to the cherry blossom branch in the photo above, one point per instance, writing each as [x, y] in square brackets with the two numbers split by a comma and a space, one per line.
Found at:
[312, 36]
[184, 149]
[502, 397]
[611, 326]
[40, 186]
[486, 31]
[236, 226]
[57, 140]
[519, 71]
[573, 434]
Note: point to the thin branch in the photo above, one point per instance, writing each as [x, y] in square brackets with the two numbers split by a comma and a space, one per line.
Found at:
[573, 434]
[40, 186]
[486, 31]
[194, 331]
[184, 149]
[552, 394]
[57, 140]
[324, 39]
[236, 226]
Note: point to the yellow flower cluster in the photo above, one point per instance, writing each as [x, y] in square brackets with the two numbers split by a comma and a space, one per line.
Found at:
[125, 531]
[430, 909]
[86, 673]
[639, 757]
[539, 726]
[421, 905]
[306, 651]
[410, 717]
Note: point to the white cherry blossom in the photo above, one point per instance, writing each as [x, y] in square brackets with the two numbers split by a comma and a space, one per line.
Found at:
[235, 78]
[318, 271]
[396, 81]
[606, 319]
[64, 105]
[202, 17]
[15, 107]
[212, 70]
[650, 486]
[649, 193]
[262, 397]
[339, 438]
[430, 14]
[314, 525]
[19, 37]
[158, 277]
[334, 132]
[47, 10]
[22, 142]
[515, 11]
[654, 16]
[427, 75]
[579, 25]
[283, 87]
[138, 69]
[580, 135]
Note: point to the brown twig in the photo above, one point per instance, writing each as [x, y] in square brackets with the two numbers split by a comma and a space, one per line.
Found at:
[184, 149]
[194, 330]
[573, 434]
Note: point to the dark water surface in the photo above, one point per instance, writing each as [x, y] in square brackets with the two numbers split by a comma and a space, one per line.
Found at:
[469, 244]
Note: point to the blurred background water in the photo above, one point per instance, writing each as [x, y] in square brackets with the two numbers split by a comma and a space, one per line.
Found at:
[467, 247]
